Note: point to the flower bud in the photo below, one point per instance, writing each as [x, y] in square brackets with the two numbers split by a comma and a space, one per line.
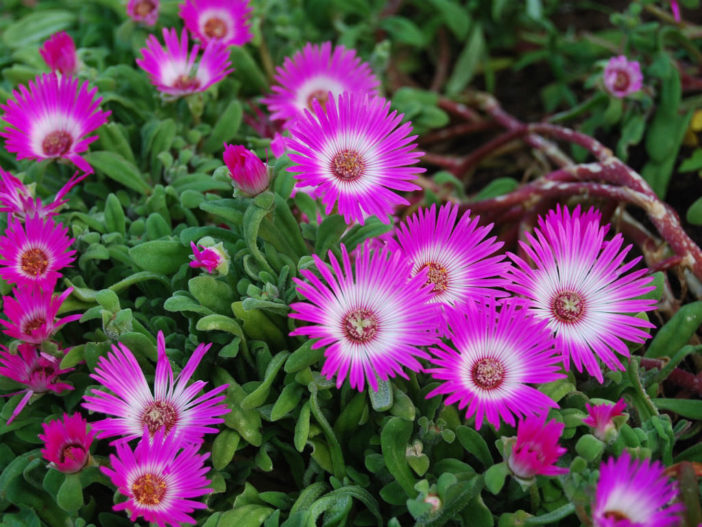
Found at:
[214, 259]
[67, 443]
[247, 171]
[59, 53]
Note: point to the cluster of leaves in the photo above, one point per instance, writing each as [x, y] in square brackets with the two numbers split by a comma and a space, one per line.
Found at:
[294, 449]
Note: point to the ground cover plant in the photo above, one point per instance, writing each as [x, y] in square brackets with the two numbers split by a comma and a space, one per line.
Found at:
[293, 263]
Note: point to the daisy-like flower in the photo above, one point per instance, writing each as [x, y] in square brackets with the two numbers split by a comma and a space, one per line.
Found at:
[368, 315]
[173, 406]
[456, 255]
[39, 372]
[67, 443]
[19, 201]
[536, 448]
[226, 21]
[622, 77]
[175, 71]
[34, 253]
[356, 154]
[52, 119]
[601, 418]
[213, 259]
[247, 171]
[32, 313]
[144, 11]
[59, 53]
[632, 492]
[580, 284]
[312, 75]
[159, 478]
[498, 354]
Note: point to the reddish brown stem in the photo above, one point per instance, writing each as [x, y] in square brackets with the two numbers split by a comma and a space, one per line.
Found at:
[456, 130]
[443, 61]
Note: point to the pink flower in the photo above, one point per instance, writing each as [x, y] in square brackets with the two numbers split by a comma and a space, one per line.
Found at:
[456, 254]
[635, 493]
[174, 70]
[368, 315]
[67, 443]
[356, 154]
[144, 11]
[52, 119]
[17, 200]
[581, 286]
[247, 171]
[675, 8]
[34, 253]
[279, 144]
[158, 479]
[213, 259]
[37, 371]
[600, 418]
[59, 53]
[172, 407]
[498, 354]
[536, 448]
[315, 74]
[32, 313]
[226, 21]
[622, 77]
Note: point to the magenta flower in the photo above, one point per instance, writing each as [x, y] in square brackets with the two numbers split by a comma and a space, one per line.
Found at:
[59, 53]
[17, 200]
[675, 8]
[144, 11]
[34, 253]
[498, 354]
[456, 255]
[579, 284]
[622, 77]
[247, 171]
[67, 443]
[632, 492]
[279, 144]
[174, 70]
[226, 21]
[158, 479]
[600, 417]
[52, 119]
[173, 405]
[536, 448]
[39, 372]
[312, 75]
[213, 259]
[356, 154]
[32, 313]
[368, 315]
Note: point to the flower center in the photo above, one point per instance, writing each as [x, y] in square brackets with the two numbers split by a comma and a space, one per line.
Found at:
[360, 326]
[32, 325]
[321, 96]
[149, 489]
[438, 276]
[73, 452]
[215, 28]
[568, 306]
[57, 143]
[621, 80]
[159, 414]
[348, 165]
[34, 262]
[186, 83]
[488, 373]
[144, 8]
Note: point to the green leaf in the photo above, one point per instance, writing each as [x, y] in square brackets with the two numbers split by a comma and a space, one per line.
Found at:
[70, 494]
[247, 71]
[676, 332]
[589, 447]
[694, 213]
[496, 187]
[455, 17]
[260, 394]
[226, 127]
[287, 401]
[302, 427]
[329, 233]
[404, 31]
[495, 477]
[223, 448]
[692, 163]
[303, 357]
[551, 517]
[394, 439]
[159, 256]
[114, 215]
[467, 62]
[212, 293]
[118, 169]
[250, 515]
[217, 322]
[382, 399]
[692, 409]
[474, 443]
[36, 27]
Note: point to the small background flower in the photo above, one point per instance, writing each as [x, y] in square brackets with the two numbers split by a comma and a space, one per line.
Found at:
[226, 21]
[67, 443]
[622, 77]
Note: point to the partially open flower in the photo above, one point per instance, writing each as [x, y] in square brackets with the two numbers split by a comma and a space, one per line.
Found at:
[536, 448]
[59, 53]
[18, 200]
[67, 443]
[601, 418]
[213, 259]
[247, 171]
[622, 77]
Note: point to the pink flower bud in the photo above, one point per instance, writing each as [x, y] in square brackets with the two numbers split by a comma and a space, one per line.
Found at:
[622, 77]
[246, 169]
[59, 53]
[536, 448]
[213, 259]
[600, 418]
[67, 443]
